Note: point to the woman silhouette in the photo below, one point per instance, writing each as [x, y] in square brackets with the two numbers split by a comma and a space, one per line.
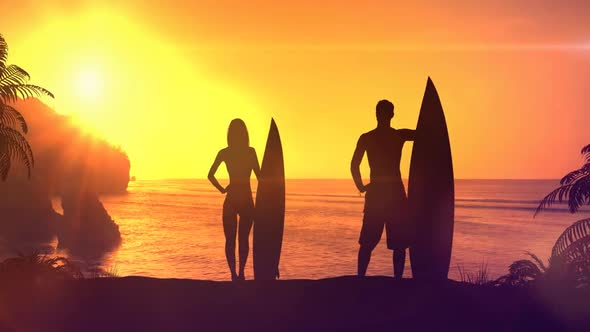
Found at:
[240, 160]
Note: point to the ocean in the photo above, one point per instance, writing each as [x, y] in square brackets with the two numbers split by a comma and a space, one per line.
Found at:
[173, 229]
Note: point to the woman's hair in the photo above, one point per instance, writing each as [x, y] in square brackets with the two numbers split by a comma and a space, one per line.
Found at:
[237, 134]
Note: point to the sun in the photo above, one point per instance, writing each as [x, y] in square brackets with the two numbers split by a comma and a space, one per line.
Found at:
[89, 84]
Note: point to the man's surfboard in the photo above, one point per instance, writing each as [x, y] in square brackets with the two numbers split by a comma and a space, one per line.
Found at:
[431, 191]
[269, 217]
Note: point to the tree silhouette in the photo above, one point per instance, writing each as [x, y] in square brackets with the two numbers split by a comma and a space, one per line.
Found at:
[13, 86]
[568, 265]
[570, 257]
[574, 187]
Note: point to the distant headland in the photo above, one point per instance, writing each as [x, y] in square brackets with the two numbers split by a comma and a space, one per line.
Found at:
[68, 163]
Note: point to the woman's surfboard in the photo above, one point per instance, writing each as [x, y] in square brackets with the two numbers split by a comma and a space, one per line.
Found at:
[269, 217]
[431, 192]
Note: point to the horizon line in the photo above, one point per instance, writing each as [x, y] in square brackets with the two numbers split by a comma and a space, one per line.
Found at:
[323, 178]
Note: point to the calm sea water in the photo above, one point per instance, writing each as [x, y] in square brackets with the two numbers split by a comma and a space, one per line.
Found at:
[172, 228]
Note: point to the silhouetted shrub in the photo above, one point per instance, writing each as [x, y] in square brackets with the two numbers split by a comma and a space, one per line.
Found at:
[568, 266]
[35, 268]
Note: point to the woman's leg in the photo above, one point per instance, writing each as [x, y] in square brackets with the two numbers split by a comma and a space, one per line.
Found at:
[230, 224]
[244, 241]
[399, 261]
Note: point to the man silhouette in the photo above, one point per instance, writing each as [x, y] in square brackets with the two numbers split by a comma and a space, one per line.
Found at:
[385, 199]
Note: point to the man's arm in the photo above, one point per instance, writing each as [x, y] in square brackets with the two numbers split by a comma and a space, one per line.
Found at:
[407, 134]
[212, 171]
[355, 165]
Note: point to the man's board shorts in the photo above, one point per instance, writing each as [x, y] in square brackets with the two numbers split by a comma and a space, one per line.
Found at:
[386, 207]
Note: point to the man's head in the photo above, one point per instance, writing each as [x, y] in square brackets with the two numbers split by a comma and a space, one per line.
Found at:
[384, 111]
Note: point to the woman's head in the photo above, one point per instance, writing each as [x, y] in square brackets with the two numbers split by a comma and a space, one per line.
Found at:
[237, 134]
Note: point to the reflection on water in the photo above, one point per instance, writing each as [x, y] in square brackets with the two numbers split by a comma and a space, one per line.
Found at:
[173, 228]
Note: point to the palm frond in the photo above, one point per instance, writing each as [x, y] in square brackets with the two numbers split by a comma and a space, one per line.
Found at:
[12, 92]
[575, 175]
[586, 152]
[556, 195]
[5, 162]
[577, 193]
[13, 74]
[577, 256]
[36, 266]
[3, 51]
[16, 147]
[19, 141]
[538, 261]
[12, 118]
[520, 273]
[572, 252]
[525, 270]
[576, 232]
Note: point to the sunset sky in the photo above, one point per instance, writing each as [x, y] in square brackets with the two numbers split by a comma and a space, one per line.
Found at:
[163, 79]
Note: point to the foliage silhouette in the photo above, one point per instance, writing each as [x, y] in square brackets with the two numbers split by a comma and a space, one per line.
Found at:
[575, 187]
[523, 271]
[481, 277]
[38, 267]
[570, 256]
[14, 86]
[569, 264]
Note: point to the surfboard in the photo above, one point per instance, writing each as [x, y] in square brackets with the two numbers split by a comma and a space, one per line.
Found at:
[269, 219]
[431, 191]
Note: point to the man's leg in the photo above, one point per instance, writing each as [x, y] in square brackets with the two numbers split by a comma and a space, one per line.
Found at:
[397, 242]
[368, 240]
[399, 261]
[364, 257]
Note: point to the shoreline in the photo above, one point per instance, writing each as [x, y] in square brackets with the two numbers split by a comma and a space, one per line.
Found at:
[334, 304]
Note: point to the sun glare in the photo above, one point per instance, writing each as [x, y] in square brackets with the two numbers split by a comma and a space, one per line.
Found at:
[112, 91]
[89, 84]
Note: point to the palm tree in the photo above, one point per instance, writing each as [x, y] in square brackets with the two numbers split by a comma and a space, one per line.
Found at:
[575, 187]
[570, 257]
[569, 264]
[14, 86]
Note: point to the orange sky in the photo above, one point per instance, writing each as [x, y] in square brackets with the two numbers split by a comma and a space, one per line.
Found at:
[164, 80]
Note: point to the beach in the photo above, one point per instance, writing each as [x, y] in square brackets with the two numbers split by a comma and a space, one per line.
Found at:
[336, 304]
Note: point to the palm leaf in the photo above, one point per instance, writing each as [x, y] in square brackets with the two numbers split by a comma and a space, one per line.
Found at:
[13, 92]
[537, 260]
[12, 118]
[15, 137]
[556, 195]
[5, 162]
[572, 248]
[586, 153]
[579, 194]
[577, 255]
[14, 74]
[3, 51]
[519, 273]
[575, 175]
[576, 192]
[15, 147]
[576, 232]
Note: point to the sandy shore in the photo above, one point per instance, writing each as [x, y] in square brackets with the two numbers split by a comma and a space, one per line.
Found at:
[337, 304]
